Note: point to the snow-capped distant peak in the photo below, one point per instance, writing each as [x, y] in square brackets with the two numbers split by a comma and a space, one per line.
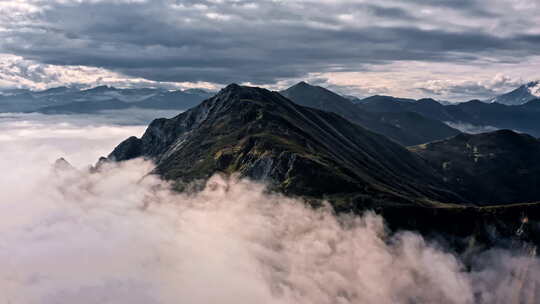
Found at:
[534, 88]
[521, 95]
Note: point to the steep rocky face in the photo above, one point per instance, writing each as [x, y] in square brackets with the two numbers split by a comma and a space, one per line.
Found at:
[491, 168]
[404, 128]
[302, 151]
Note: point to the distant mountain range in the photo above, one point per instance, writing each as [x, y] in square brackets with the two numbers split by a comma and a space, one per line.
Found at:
[404, 120]
[522, 95]
[64, 100]
[54, 99]
[522, 118]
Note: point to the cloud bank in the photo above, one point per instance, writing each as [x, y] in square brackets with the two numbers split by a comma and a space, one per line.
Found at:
[38, 140]
[121, 236]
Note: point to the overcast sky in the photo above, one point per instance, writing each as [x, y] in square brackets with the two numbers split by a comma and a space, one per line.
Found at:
[447, 49]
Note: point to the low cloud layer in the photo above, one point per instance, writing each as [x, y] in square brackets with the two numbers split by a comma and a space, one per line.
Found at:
[37, 139]
[470, 128]
[122, 236]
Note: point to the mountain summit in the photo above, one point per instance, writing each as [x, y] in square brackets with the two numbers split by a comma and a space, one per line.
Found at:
[298, 150]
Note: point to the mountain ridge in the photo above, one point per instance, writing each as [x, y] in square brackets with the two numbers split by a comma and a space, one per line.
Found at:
[523, 118]
[407, 129]
[302, 151]
[66, 100]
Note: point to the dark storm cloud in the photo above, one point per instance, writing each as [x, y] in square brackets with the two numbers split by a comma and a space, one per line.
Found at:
[388, 12]
[255, 41]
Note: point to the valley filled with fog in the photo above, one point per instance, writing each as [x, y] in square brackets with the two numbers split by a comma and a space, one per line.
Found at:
[118, 235]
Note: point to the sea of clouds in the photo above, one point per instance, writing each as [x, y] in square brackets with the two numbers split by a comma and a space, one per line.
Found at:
[119, 235]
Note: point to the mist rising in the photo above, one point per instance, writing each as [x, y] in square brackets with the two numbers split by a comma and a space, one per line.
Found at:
[122, 236]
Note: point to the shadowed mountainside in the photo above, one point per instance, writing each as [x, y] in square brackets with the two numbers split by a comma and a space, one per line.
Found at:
[500, 167]
[405, 128]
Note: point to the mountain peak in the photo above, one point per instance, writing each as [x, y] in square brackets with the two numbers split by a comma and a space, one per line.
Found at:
[314, 91]
[521, 95]
[534, 88]
[231, 87]
[427, 100]
[533, 83]
[62, 164]
[234, 92]
[240, 90]
[302, 84]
